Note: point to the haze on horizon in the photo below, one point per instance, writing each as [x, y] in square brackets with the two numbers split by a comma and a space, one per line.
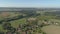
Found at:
[30, 3]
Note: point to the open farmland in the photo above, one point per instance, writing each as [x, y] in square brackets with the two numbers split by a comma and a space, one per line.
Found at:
[30, 21]
[51, 29]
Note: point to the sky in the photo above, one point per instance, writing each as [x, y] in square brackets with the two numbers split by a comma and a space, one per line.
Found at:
[30, 3]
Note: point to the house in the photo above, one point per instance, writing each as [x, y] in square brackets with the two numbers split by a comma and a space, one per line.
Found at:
[32, 20]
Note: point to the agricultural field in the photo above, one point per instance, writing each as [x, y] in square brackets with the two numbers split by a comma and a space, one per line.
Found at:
[30, 21]
[51, 29]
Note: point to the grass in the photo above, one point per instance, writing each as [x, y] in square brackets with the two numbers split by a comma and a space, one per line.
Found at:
[2, 30]
[14, 23]
[17, 22]
[52, 29]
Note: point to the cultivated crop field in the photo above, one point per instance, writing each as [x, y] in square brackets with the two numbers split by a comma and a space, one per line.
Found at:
[51, 29]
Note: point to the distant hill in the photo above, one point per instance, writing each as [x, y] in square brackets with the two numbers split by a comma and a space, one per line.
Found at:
[19, 9]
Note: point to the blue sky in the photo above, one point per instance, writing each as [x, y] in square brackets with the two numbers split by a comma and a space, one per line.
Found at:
[30, 3]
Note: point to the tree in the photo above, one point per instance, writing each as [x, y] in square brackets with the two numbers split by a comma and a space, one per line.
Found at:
[7, 26]
[43, 33]
[1, 32]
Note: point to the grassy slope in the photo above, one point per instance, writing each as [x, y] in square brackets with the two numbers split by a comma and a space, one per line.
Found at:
[17, 22]
[14, 23]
